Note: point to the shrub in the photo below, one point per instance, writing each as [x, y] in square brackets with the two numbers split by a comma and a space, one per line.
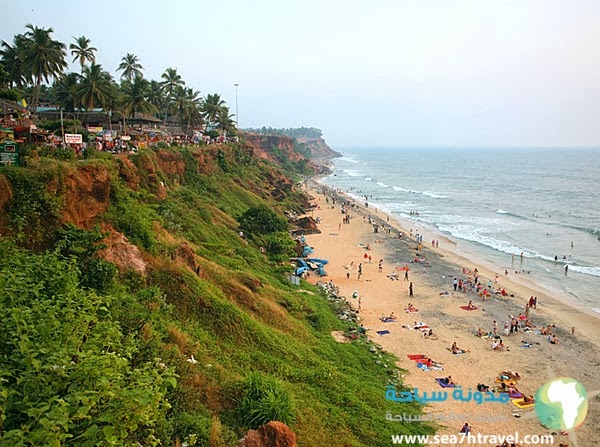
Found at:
[263, 399]
[280, 246]
[262, 220]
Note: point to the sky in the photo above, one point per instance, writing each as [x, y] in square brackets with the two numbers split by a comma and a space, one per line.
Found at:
[385, 73]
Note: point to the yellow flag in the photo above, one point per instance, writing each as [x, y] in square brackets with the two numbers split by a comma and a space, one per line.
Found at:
[23, 102]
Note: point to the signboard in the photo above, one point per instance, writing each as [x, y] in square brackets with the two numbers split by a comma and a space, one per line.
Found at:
[9, 152]
[95, 129]
[108, 135]
[125, 138]
[73, 138]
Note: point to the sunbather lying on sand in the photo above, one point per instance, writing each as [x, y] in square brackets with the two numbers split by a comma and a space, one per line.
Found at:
[498, 345]
[410, 308]
[513, 375]
[429, 334]
[447, 380]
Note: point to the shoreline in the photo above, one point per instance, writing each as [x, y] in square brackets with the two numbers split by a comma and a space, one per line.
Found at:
[380, 296]
[563, 309]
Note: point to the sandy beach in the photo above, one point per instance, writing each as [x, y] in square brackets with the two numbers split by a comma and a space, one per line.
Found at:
[346, 245]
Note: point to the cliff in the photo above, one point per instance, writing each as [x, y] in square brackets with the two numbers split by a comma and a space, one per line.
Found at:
[319, 149]
[133, 312]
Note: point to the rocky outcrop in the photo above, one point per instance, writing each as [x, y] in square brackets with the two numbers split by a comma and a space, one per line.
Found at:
[307, 225]
[123, 253]
[273, 434]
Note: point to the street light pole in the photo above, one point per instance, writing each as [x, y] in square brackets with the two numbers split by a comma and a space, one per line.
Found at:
[237, 117]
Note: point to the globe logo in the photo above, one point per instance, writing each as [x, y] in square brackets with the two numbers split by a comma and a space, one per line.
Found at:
[561, 404]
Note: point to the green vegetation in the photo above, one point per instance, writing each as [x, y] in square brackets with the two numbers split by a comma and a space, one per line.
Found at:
[301, 132]
[210, 339]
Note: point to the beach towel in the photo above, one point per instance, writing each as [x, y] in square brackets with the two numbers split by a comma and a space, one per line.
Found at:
[517, 395]
[423, 367]
[507, 382]
[382, 333]
[467, 308]
[410, 310]
[521, 404]
[416, 356]
[442, 384]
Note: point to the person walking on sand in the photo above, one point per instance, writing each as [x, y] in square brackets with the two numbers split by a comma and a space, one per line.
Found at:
[359, 270]
[405, 273]
[380, 267]
[410, 290]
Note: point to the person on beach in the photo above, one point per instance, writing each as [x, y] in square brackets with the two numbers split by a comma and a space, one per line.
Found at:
[466, 428]
[456, 350]
[410, 290]
[447, 380]
[380, 266]
[405, 273]
[359, 270]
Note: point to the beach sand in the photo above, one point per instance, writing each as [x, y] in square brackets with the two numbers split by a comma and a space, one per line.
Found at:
[577, 356]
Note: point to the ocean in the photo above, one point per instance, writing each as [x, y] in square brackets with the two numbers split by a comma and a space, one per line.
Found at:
[494, 204]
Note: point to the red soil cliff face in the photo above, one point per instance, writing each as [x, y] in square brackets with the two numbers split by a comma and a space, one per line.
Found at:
[263, 145]
[86, 194]
[5, 197]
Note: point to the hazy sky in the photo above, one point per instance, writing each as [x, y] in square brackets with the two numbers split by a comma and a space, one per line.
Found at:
[377, 72]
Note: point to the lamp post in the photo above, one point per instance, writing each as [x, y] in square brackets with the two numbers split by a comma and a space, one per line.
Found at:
[237, 118]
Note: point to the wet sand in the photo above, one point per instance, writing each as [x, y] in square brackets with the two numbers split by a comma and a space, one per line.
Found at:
[577, 356]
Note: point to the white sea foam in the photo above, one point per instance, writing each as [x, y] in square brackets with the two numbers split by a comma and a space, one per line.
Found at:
[352, 173]
[594, 271]
[433, 195]
[501, 211]
[383, 185]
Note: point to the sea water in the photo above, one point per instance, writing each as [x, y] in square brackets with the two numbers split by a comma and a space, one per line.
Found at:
[514, 209]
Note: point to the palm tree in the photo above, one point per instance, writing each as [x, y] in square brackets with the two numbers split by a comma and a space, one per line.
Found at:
[213, 104]
[65, 91]
[135, 97]
[172, 80]
[95, 87]
[43, 57]
[131, 67]
[156, 96]
[12, 59]
[82, 51]
[4, 76]
[225, 122]
[188, 106]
